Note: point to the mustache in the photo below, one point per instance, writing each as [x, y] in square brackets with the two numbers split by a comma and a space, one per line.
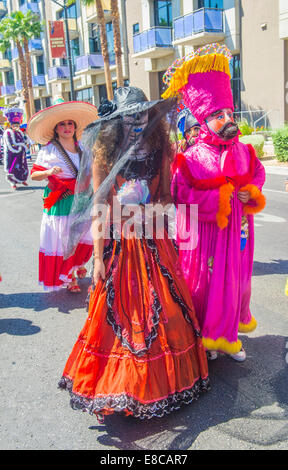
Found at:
[228, 130]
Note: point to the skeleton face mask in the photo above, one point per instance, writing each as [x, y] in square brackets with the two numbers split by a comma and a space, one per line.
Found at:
[134, 126]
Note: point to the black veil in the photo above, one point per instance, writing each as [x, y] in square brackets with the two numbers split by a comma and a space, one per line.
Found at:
[86, 202]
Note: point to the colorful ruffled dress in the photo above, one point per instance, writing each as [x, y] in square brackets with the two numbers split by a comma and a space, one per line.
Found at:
[140, 350]
[55, 271]
[218, 267]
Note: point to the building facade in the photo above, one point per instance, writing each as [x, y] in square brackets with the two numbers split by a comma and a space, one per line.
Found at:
[51, 77]
[154, 34]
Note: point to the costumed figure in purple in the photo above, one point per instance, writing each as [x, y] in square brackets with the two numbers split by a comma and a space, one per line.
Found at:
[15, 163]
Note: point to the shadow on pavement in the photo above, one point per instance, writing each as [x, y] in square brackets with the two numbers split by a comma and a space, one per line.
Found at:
[247, 403]
[18, 327]
[61, 300]
[277, 266]
[27, 188]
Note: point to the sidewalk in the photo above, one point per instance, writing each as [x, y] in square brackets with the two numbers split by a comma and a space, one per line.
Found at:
[274, 167]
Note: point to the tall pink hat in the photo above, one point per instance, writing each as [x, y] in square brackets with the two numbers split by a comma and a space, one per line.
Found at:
[202, 79]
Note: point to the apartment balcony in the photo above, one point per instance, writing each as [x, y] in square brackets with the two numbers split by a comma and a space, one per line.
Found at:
[35, 48]
[89, 63]
[7, 90]
[200, 27]
[32, 6]
[58, 73]
[91, 12]
[153, 43]
[5, 65]
[37, 81]
[3, 8]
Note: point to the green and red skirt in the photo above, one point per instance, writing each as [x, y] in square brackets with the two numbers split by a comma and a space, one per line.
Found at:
[54, 270]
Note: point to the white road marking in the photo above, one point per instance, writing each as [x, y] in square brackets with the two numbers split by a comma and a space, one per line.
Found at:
[18, 193]
[268, 218]
[275, 191]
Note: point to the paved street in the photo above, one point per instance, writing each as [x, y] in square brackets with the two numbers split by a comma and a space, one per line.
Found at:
[247, 407]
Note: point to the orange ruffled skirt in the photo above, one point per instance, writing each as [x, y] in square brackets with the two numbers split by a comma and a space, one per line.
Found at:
[140, 351]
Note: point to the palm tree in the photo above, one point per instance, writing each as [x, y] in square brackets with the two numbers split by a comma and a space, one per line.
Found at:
[104, 44]
[20, 28]
[10, 31]
[31, 28]
[117, 42]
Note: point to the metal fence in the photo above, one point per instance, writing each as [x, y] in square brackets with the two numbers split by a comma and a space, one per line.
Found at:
[205, 19]
[267, 120]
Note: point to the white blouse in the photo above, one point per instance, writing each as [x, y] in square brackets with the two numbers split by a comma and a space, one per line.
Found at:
[49, 156]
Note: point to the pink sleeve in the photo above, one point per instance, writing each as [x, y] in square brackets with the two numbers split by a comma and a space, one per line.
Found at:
[259, 175]
[207, 201]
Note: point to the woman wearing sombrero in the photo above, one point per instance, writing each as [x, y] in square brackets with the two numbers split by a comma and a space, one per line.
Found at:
[59, 128]
[139, 352]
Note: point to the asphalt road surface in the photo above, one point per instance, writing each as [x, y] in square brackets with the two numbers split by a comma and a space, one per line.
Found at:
[247, 407]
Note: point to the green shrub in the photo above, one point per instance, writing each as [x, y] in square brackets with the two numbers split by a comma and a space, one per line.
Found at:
[245, 128]
[280, 142]
[256, 140]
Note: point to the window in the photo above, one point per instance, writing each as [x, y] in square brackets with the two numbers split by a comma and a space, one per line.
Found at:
[71, 12]
[94, 38]
[40, 65]
[9, 78]
[102, 93]
[136, 28]
[163, 13]
[85, 95]
[235, 70]
[7, 54]
[110, 41]
[103, 90]
[210, 4]
[75, 52]
[75, 48]
[162, 86]
[37, 104]
[48, 102]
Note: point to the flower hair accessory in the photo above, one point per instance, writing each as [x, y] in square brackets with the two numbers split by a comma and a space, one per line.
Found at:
[106, 108]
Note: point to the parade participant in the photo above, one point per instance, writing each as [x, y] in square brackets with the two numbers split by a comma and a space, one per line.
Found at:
[27, 141]
[188, 127]
[139, 351]
[15, 164]
[224, 178]
[1, 145]
[58, 128]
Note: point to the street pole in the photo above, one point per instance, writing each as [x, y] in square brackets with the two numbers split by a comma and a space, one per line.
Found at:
[69, 57]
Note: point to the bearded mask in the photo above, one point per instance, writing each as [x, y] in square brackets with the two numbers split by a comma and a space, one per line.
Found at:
[222, 124]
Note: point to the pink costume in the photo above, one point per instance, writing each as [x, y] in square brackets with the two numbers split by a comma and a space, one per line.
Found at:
[218, 267]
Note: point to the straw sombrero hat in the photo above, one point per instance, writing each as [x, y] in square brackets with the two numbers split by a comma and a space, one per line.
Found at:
[40, 127]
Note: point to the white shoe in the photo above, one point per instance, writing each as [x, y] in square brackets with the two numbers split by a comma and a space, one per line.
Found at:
[212, 355]
[240, 356]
